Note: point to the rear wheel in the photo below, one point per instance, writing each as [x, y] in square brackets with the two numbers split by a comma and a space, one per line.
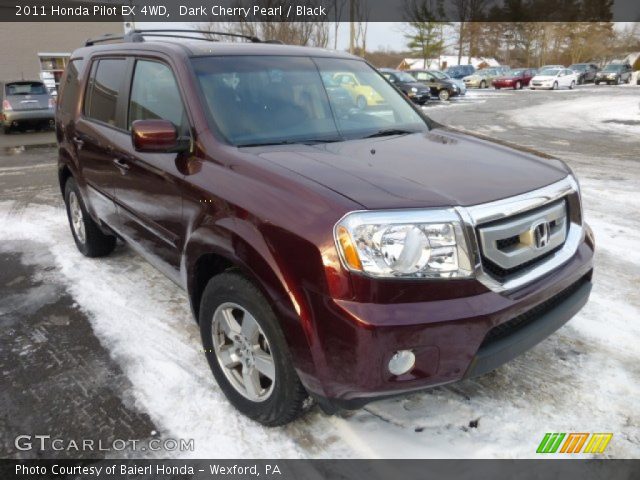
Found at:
[619, 81]
[90, 240]
[247, 351]
[597, 83]
[444, 95]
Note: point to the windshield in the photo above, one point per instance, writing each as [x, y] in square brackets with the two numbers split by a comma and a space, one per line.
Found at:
[486, 72]
[259, 100]
[612, 68]
[514, 73]
[25, 88]
[405, 77]
[438, 74]
[580, 66]
[552, 72]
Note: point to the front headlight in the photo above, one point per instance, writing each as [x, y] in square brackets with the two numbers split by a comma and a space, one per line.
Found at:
[414, 89]
[408, 244]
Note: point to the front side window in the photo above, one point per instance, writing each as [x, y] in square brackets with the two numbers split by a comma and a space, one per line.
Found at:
[155, 95]
[104, 89]
[256, 100]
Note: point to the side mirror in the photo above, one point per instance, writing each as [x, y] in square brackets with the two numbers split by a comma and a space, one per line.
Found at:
[154, 136]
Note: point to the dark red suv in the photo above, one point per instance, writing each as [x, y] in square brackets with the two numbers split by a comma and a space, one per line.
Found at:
[328, 250]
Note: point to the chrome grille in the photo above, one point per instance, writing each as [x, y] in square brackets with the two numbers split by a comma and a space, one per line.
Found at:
[566, 240]
[511, 243]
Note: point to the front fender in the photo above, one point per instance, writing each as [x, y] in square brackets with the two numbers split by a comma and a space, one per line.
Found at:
[245, 247]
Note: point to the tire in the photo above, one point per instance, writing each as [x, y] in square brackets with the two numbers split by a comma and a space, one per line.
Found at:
[555, 86]
[276, 401]
[483, 84]
[517, 86]
[619, 81]
[361, 102]
[6, 130]
[497, 88]
[596, 83]
[444, 95]
[573, 84]
[90, 240]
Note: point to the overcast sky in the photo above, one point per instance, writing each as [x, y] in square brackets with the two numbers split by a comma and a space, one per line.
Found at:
[380, 35]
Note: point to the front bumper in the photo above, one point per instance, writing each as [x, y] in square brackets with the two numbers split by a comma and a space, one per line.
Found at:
[26, 116]
[420, 98]
[452, 339]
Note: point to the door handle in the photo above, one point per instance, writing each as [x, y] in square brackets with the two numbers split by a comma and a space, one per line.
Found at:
[78, 141]
[122, 165]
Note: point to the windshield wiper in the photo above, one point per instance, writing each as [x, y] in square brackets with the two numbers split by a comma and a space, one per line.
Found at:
[291, 142]
[390, 131]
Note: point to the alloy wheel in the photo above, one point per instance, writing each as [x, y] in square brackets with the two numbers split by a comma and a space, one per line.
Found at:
[77, 218]
[243, 352]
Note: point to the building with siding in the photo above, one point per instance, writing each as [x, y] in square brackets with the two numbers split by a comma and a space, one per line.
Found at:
[34, 50]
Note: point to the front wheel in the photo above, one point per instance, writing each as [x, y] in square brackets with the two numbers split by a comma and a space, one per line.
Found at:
[247, 351]
[89, 239]
[361, 102]
[573, 84]
[483, 84]
[596, 83]
[517, 86]
[619, 81]
[444, 95]
[6, 130]
[555, 86]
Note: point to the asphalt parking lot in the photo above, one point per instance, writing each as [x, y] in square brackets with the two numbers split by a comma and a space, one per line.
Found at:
[106, 349]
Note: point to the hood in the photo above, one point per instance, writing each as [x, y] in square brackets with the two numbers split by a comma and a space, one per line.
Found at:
[544, 77]
[436, 168]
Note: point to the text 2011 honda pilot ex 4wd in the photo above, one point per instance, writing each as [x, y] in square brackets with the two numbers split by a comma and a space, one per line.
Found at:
[328, 250]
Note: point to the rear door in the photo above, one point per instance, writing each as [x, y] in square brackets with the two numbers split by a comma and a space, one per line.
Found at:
[148, 189]
[101, 125]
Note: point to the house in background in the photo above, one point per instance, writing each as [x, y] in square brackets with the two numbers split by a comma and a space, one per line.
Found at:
[444, 61]
[35, 50]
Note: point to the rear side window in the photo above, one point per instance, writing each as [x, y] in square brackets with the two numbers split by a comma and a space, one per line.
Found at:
[25, 88]
[155, 95]
[71, 85]
[104, 89]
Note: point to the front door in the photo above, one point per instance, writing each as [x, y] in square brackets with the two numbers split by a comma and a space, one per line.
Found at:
[148, 189]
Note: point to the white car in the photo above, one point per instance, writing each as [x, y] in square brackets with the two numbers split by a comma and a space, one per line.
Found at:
[554, 78]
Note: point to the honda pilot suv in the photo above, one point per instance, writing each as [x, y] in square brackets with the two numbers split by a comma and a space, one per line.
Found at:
[343, 254]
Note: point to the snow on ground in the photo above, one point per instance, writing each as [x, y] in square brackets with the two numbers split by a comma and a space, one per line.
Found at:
[583, 378]
[617, 115]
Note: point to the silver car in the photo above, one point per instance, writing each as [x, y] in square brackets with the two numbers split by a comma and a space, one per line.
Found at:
[26, 102]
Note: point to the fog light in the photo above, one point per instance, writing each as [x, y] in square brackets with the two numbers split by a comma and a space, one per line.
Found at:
[401, 362]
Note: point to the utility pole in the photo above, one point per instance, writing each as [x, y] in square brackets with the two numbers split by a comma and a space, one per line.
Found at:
[352, 26]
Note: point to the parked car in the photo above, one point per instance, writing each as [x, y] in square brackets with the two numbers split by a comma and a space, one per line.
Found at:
[25, 103]
[516, 79]
[554, 78]
[586, 72]
[460, 71]
[407, 84]
[482, 78]
[362, 94]
[614, 73]
[346, 259]
[440, 86]
[462, 88]
[554, 67]
[340, 97]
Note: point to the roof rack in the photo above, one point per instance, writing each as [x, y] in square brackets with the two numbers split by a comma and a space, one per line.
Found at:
[138, 36]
